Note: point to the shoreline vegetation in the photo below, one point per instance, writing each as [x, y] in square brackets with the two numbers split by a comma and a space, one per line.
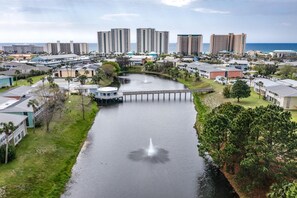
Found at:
[204, 103]
[45, 160]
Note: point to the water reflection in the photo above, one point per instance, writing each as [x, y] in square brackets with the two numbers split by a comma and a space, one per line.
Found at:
[210, 183]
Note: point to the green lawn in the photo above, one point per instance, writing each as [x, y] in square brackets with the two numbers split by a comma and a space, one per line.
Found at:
[25, 83]
[22, 82]
[44, 160]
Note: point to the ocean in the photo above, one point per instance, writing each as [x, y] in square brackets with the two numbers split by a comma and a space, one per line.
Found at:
[263, 47]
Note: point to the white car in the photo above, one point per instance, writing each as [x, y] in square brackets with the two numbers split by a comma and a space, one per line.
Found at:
[221, 80]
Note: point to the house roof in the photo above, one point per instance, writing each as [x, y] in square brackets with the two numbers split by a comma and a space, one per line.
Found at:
[20, 106]
[4, 77]
[283, 91]
[6, 102]
[266, 82]
[240, 62]
[17, 92]
[53, 57]
[15, 119]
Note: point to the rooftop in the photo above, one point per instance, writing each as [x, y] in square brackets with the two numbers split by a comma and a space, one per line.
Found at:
[283, 91]
[107, 89]
[15, 119]
[17, 92]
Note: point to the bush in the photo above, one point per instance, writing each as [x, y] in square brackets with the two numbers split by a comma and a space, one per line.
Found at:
[227, 91]
[11, 153]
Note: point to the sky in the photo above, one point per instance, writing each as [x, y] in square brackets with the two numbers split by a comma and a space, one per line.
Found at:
[38, 21]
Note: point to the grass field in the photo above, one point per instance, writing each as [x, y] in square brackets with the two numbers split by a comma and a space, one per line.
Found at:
[23, 82]
[44, 160]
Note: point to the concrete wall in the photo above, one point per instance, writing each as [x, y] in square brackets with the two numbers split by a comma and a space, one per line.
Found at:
[6, 82]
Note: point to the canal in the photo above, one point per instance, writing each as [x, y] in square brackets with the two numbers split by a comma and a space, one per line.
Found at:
[113, 162]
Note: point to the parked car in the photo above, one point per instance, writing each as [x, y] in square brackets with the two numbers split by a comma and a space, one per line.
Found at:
[221, 80]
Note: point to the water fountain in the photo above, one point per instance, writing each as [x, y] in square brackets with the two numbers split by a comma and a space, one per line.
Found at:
[146, 80]
[151, 150]
[152, 154]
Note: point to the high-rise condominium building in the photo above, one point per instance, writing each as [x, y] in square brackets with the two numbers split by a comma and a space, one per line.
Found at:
[116, 40]
[189, 44]
[67, 48]
[149, 40]
[230, 42]
[145, 40]
[23, 49]
[104, 42]
[120, 40]
[161, 42]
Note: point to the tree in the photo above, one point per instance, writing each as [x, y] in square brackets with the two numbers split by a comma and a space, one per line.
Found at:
[17, 73]
[82, 79]
[30, 81]
[287, 71]
[240, 90]
[285, 189]
[227, 91]
[197, 76]
[50, 79]
[260, 85]
[34, 104]
[7, 128]
[272, 146]
[68, 79]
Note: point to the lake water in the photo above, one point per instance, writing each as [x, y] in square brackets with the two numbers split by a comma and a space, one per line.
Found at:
[113, 161]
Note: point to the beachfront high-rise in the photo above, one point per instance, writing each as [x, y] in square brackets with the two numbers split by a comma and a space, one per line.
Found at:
[120, 40]
[189, 44]
[104, 42]
[149, 40]
[117, 41]
[230, 42]
[67, 48]
[161, 42]
[145, 40]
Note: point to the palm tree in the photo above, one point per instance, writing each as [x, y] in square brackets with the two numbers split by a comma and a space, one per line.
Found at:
[34, 104]
[82, 79]
[50, 79]
[7, 128]
[17, 73]
[86, 72]
[68, 79]
[42, 79]
[30, 80]
[260, 84]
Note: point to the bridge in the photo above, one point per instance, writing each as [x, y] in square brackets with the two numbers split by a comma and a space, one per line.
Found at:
[161, 94]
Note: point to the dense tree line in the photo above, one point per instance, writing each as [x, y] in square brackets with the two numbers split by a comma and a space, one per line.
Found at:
[258, 145]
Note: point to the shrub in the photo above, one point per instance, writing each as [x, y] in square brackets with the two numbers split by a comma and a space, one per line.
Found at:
[227, 91]
[11, 153]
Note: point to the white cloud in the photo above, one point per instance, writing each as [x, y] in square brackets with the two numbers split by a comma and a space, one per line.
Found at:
[210, 11]
[119, 15]
[177, 3]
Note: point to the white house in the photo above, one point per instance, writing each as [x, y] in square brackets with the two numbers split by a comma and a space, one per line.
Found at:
[261, 84]
[282, 96]
[19, 122]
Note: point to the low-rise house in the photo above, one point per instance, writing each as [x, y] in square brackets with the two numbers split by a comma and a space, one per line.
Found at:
[284, 53]
[21, 67]
[56, 60]
[239, 64]
[21, 108]
[6, 81]
[261, 85]
[19, 121]
[84, 89]
[282, 96]
[212, 71]
[18, 92]
[288, 82]
[74, 71]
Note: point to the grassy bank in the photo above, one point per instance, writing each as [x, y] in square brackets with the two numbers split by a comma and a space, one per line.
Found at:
[44, 160]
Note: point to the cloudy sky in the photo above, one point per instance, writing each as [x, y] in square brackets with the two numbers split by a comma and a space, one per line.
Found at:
[79, 20]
